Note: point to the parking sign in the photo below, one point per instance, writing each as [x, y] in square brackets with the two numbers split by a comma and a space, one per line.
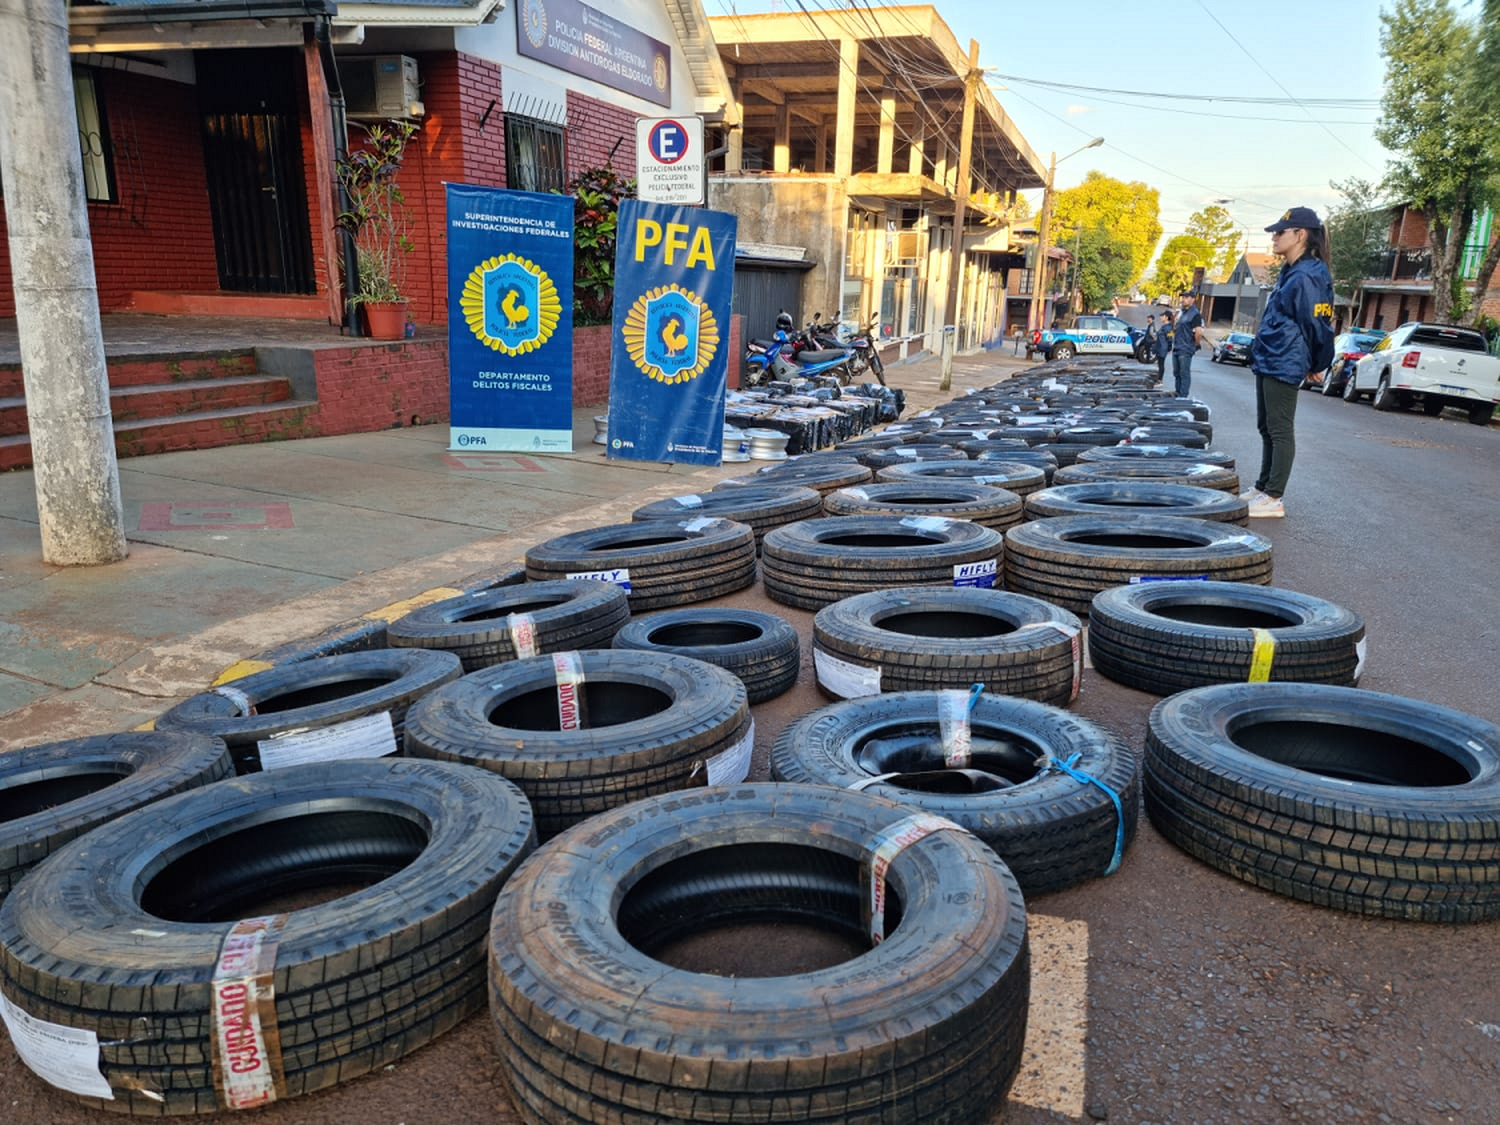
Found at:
[669, 159]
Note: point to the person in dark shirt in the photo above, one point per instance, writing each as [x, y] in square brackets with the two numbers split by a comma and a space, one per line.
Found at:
[1295, 337]
[1187, 336]
[1150, 338]
[1163, 344]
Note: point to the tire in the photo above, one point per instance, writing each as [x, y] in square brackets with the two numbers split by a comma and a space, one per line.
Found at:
[668, 562]
[53, 793]
[925, 639]
[1017, 477]
[1128, 499]
[1164, 472]
[1432, 406]
[592, 1027]
[1066, 560]
[760, 648]
[877, 366]
[1481, 413]
[319, 694]
[957, 500]
[1051, 830]
[1157, 434]
[480, 630]
[1384, 398]
[1061, 352]
[1334, 384]
[649, 723]
[1343, 798]
[1351, 389]
[1142, 353]
[1164, 637]
[758, 508]
[1157, 453]
[878, 459]
[815, 562]
[359, 980]
[821, 476]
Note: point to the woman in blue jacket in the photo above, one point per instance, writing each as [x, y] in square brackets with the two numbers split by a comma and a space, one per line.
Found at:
[1295, 337]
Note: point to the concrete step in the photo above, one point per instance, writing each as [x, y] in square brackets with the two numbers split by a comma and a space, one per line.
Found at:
[160, 400]
[200, 429]
[148, 370]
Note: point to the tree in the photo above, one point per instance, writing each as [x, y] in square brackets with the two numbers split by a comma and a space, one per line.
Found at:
[1131, 211]
[1439, 91]
[1182, 254]
[1215, 227]
[1104, 267]
[1357, 230]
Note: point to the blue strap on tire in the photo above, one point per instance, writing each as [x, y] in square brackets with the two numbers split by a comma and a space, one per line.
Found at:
[1089, 779]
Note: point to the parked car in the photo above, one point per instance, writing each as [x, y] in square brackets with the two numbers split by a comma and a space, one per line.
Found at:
[1090, 334]
[1348, 349]
[1436, 365]
[1234, 348]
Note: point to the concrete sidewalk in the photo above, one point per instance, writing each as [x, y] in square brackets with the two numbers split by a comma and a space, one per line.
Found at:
[237, 550]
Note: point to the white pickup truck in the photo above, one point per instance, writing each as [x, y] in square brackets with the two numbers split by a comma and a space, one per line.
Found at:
[1437, 365]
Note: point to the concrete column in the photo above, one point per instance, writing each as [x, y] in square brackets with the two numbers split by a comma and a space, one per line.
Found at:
[915, 155]
[887, 130]
[734, 159]
[940, 162]
[843, 139]
[57, 304]
[820, 147]
[782, 158]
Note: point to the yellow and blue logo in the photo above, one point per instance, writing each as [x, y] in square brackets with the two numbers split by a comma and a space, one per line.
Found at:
[510, 304]
[670, 335]
[534, 15]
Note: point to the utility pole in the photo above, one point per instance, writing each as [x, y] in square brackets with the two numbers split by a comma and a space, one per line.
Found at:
[57, 304]
[960, 204]
[1039, 275]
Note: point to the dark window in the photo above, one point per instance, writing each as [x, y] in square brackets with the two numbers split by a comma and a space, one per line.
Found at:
[93, 140]
[533, 154]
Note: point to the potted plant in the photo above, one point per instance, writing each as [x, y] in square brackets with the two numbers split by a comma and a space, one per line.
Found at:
[376, 217]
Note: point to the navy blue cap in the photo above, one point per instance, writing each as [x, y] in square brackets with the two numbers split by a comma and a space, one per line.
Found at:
[1299, 218]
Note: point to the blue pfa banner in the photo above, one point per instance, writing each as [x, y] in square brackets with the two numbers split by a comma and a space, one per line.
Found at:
[674, 277]
[510, 320]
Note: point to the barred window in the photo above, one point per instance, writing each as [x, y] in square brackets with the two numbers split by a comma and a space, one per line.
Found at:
[533, 154]
[93, 140]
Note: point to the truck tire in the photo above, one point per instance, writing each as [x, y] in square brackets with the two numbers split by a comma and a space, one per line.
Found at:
[958, 500]
[1066, 560]
[55, 792]
[758, 508]
[316, 694]
[815, 562]
[1018, 477]
[928, 638]
[1127, 499]
[650, 722]
[822, 475]
[926, 1025]
[1051, 830]
[1156, 454]
[760, 648]
[670, 562]
[1340, 797]
[1164, 472]
[1164, 637]
[121, 932]
[911, 453]
[478, 629]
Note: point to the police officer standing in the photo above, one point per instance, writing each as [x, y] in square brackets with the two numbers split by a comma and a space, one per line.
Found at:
[1187, 337]
[1163, 344]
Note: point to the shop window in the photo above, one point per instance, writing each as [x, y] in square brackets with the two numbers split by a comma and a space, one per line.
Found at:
[533, 154]
[93, 140]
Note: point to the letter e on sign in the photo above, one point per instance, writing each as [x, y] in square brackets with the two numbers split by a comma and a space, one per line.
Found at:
[669, 159]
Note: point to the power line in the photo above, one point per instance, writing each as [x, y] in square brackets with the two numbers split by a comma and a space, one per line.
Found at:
[1325, 103]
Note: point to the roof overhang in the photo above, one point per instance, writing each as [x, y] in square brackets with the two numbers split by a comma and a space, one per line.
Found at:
[701, 54]
[449, 13]
[151, 26]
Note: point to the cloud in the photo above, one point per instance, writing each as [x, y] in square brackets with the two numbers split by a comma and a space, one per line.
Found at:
[1075, 110]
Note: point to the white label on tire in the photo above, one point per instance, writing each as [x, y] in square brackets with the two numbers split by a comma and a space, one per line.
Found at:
[926, 523]
[1137, 579]
[235, 696]
[953, 728]
[569, 676]
[67, 1057]
[1360, 647]
[691, 500]
[991, 480]
[522, 634]
[699, 524]
[843, 678]
[732, 766]
[857, 493]
[979, 574]
[369, 736]
[247, 1041]
[620, 576]
[885, 847]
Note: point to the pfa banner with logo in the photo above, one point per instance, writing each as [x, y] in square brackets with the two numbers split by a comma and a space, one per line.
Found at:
[674, 277]
[510, 320]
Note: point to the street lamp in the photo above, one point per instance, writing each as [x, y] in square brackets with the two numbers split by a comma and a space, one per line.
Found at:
[1039, 281]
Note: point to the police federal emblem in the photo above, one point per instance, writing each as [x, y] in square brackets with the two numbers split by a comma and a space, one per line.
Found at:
[534, 17]
[510, 304]
[670, 334]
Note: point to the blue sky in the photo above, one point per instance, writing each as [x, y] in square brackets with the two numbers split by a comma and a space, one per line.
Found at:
[1193, 147]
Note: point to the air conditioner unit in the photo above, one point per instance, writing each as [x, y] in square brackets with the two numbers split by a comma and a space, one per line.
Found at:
[380, 86]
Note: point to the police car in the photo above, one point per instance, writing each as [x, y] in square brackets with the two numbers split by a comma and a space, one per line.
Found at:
[1089, 335]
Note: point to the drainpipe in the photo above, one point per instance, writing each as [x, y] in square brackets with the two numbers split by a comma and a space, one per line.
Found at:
[340, 124]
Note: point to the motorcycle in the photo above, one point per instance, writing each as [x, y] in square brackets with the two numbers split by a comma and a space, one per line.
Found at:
[865, 357]
[780, 358]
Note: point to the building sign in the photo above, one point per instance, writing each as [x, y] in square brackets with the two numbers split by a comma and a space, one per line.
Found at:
[510, 321]
[584, 41]
[674, 277]
[669, 159]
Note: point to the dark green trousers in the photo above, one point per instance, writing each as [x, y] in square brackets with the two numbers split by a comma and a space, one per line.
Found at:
[1275, 412]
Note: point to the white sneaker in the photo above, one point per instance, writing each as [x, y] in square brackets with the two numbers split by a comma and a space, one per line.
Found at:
[1264, 506]
[1251, 494]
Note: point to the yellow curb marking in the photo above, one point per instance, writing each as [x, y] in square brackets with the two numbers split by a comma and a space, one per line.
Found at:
[1052, 1063]
[149, 724]
[400, 609]
[240, 669]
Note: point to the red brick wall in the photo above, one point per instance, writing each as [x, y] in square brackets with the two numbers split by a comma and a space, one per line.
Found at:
[159, 233]
[369, 388]
[484, 150]
[594, 127]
